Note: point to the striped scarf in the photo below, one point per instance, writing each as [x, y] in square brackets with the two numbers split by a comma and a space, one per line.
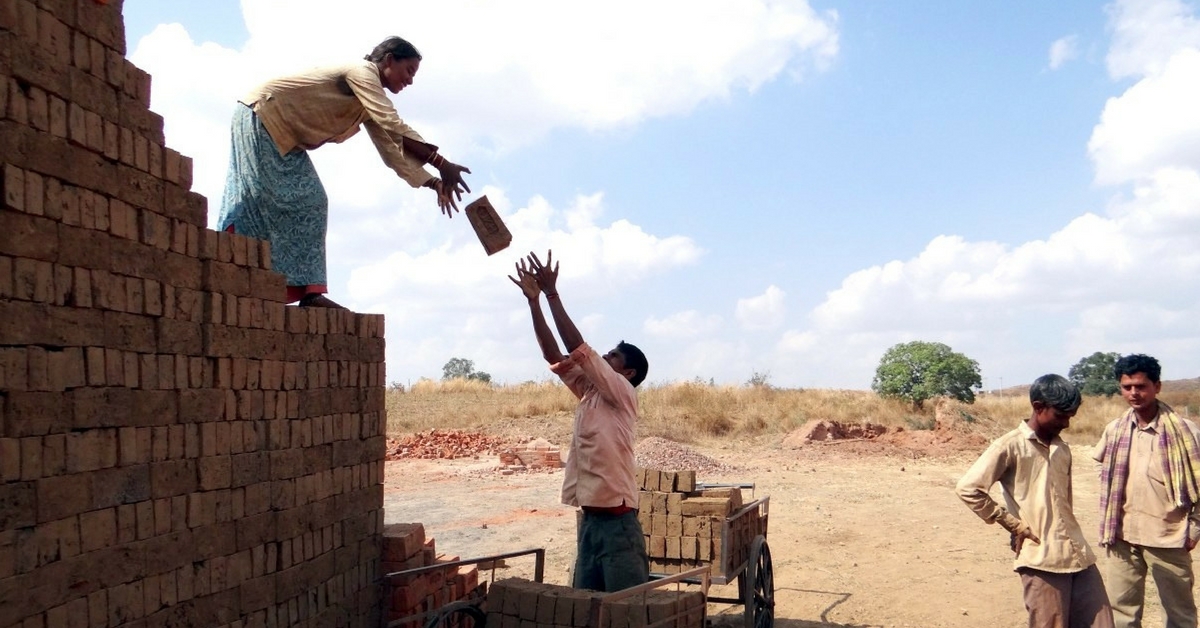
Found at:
[1180, 452]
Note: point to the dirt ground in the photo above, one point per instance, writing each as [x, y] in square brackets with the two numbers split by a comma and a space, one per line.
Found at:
[862, 533]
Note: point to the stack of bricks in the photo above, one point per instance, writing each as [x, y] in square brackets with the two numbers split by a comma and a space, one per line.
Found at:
[517, 603]
[687, 528]
[177, 447]
[405, 547]
[535, 454]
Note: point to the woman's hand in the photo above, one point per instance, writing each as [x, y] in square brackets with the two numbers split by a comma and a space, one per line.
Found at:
[526, 282]
[445, 200]
[452, 180]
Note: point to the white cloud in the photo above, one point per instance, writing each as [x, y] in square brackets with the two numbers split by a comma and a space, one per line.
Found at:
[1147, 33]
[1063, 50]
[1155, 124]
[686, 324]
[764, 311]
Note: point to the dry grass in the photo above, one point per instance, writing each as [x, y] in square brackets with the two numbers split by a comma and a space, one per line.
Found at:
[694, 412]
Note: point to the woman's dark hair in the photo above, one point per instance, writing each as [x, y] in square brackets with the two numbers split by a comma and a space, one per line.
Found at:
[636, 360]
[1138, 363]
[398, 47]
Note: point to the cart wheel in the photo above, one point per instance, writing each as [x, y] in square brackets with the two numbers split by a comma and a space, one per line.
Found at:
[759, 586]
[468, 611]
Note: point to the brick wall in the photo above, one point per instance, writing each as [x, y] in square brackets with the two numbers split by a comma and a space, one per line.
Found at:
[177, 447]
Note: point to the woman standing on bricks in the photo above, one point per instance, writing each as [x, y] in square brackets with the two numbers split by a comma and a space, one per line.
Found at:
[272, 191]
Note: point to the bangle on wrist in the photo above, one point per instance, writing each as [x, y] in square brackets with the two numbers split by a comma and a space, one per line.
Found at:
[551, 295]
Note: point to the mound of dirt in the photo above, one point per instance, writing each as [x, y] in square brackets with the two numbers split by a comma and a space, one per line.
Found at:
[443, 444]
[817, 430]
[659, 453]
[948, 436]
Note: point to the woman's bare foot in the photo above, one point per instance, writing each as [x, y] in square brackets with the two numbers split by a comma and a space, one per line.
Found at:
[319, 300]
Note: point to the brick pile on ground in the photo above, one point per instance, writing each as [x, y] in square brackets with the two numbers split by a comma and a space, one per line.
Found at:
[177, 447]
[406, 547]
[683, 526]
[435, 444]
[538, 453]
[661, 453]
[517, 603]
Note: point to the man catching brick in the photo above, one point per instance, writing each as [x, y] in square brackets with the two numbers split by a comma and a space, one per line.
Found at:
[599, 478]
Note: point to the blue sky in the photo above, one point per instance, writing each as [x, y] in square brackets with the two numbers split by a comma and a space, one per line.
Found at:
[749, 186]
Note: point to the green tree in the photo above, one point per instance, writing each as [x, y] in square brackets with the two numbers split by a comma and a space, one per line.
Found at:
[1094, 374]
[918, 371]
[462, 368]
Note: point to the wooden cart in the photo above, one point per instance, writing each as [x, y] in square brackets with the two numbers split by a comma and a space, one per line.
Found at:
[744, 556]
[468, 612]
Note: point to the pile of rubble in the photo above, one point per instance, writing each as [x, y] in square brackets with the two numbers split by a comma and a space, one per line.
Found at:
[438, 444]
[660, 453]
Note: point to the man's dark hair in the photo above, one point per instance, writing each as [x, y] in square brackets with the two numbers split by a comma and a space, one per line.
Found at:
[398, 47]
[1137, 363]
[634, 359]
[1055, 391]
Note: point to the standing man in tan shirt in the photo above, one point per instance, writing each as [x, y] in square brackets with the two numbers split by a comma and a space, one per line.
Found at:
[599, 478]
[1149, 462]
[1058, 571]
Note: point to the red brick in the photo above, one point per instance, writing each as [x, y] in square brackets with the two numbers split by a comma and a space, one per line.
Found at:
[54, 37]
[98, 529]
[141, 152]
[145, 519]
[139, 189]
[226, 278]
[36, 413]
[112, 145]
[39, 110]
[185, 173]
[215, 472]
[268, 285]
[14, 187]
[63, 288]
[179, 337]
[62, 496]
[84, 247]
[76, 124]
[156, 159]
[35, 193]
[33, 280]
[90, 450]
[171, 478]
[101, 21]
[125, 603]
[81, 50]
[130, 332]
[121, 485]
[87, 209]
[6, 277]
[94, 130]
[58, 117]
[130, 360]
[18, 106]
[152, 293]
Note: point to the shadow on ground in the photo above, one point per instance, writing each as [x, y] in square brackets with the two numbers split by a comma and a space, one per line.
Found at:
[735, 617]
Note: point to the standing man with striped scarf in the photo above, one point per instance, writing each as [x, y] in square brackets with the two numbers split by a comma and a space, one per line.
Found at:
[1149, 466]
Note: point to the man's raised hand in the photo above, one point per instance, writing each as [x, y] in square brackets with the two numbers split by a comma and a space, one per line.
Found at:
[526, 281]
[546, 274]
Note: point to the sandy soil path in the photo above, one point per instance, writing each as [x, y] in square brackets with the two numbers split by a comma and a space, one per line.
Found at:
[858, 537]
